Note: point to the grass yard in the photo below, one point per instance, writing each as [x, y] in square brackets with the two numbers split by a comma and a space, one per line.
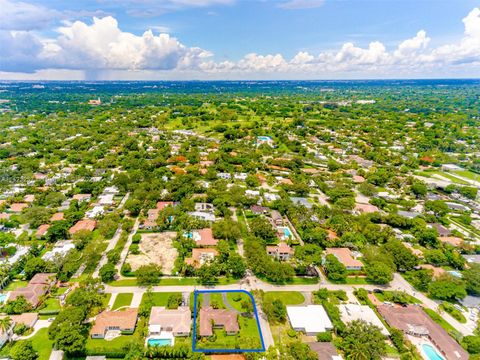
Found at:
[356, 280]
[157, 298]
[15, 285]
[239, 297]
[172, 282]
[247, 338]
[216, 298]
[287, 297]
[117, 345]
[42, 344]
[51, 305]
[467, 174]
[122, 300]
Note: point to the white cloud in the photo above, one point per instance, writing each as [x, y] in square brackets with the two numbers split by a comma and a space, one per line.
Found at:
[102, 47]
[24, 16]
[301, 4]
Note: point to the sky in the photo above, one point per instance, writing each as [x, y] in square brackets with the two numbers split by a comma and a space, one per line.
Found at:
[238, 39]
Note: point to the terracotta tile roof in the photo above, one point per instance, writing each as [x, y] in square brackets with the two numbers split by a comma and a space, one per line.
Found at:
[18, 207]
[452, 240]
[178, 320]
[85, 224]
[412, 319]
[206, 238]
[42, 230]
[38, 286]
[219, 317]
[124, 320]
[29, 198]
[280, 248]
[437, 271]
[366, 208]
[200, 255]
[344, 255]
[227, 357]
[57, 216]
[163, 204]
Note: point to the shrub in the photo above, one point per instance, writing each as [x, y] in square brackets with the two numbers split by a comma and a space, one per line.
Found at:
[136, 238]
[324, 336]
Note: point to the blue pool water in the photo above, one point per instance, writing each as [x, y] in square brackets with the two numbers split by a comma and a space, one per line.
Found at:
[287, 232]
[455, 273]
[431, 353]
[188, 235]
[264, 138]
[3, 297]
[159, 342]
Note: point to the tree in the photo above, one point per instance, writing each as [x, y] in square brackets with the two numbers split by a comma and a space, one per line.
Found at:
[236, 265]
[419, 188]
[468, 192]
[261, 228]
[447, 287]
[472, 279]
[275, 310]
[363, 341]
[36, 216]
[5, 324]
[472, 344]
[34, 266]
[438, 207]
[148, 274]
[23, 350]
[18, 306]
[107, 272]
[70, 339]
[404, 258]
[174, 301]
[335, 270]
[379, 273]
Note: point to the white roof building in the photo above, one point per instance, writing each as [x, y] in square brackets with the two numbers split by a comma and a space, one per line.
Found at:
[105, 199]
[96, 211]
[61, 248]
[351, 312]
[311, 319]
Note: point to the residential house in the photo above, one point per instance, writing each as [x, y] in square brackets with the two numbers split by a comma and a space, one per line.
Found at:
[201, 256]
[211, 318]
[38, 286]
[97, 210]
[302, 201]
[57, 217]
[42, 231]
[365, 208]
[276, 218]
[82, 197]
[325, 350]
[224, 176]
[177, 321]
[60, 249]
[413, 320]
[310, 319]
[123, 321]
[408, 214]
[259, 210]
[281, 251]
[442, 230]
[345, 256]
[203, 237]
[18, 207]
[85, 224]
[202, 215]
[204, 207]
[240, 176]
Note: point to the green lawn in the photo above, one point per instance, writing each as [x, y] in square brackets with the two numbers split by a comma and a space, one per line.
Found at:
[50, 305]
[216, 298]
[240, 297]
[467, 174]
[101, 346]
[247, 338]
[157, 298]
[122, 300]
[42, 344]
[15, 285]
[173, 282]
[287, 297]
[356, 280]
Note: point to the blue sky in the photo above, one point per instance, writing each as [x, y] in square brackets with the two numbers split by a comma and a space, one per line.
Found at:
[211, 38]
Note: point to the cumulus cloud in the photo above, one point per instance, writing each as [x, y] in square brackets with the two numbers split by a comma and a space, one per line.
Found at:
[101, 46]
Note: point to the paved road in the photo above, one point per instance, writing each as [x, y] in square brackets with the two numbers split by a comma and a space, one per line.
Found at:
[124, 253]
[111, 246]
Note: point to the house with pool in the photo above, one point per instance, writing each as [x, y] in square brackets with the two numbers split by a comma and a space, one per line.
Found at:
[166, 324]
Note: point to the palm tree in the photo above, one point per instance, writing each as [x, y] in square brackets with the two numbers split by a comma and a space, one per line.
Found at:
[5, 325]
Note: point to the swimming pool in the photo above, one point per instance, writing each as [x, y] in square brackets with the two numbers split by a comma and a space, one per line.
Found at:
[3, 297]
[286, 232]
[455, 273]
[431, 353]
[160, 342]
[264, 138]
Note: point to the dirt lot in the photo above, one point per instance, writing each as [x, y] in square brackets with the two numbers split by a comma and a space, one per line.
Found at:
[155, 248]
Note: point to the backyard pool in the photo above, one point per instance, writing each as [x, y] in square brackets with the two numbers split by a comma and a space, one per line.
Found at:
[431, 353]
[286, 231]
[264, 138]
[3, 297]
[455, 273]
[160, 342]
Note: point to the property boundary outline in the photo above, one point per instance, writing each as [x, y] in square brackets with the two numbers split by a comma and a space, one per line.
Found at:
[194, 337]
